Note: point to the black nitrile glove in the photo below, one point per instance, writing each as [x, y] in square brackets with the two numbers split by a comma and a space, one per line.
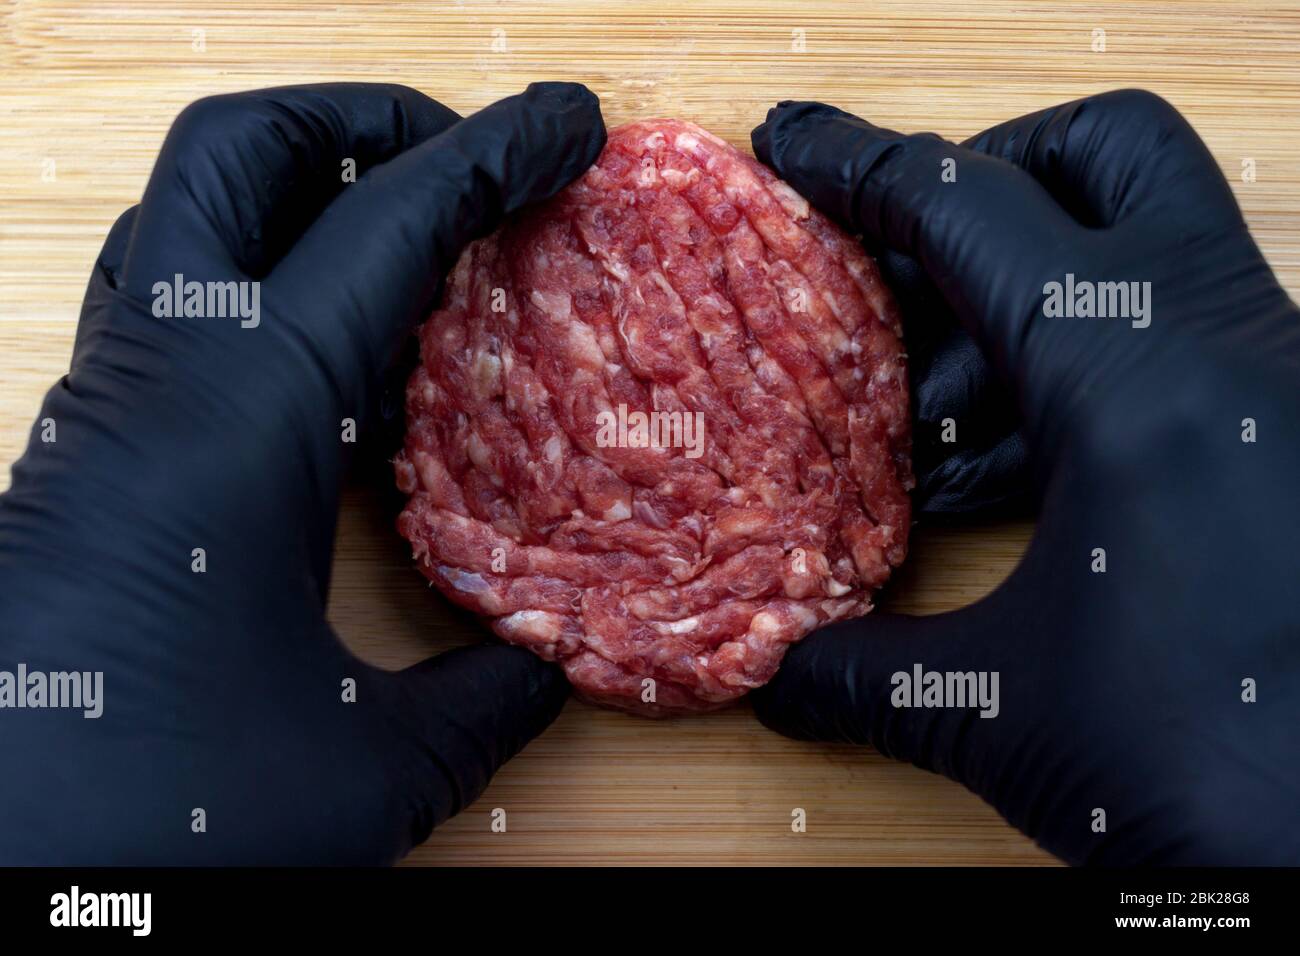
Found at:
[968, 453]
[223, 690]
[1147, 712]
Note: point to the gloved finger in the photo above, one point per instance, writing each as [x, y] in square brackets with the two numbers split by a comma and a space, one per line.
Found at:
[958, 395]
[104, 279]
[240, 176]
[852, 682]
[966, 451]
[463, 714]
[985, 231]
[112, 255]
[375, 257]
[927, 320]
[974, 480]
[1102, 158]
[1110, 157]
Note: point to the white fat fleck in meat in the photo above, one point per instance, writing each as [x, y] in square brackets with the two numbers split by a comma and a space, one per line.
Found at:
[836, 589]
[832, 302]
[684, 626]
[715, 304]
[431, 471]
[615, 268]
[806, 617]
[487, 375]
[661, 280]
[679, 180]
[647, 514]
[834, 610]
[470, 582]
[533, 625]
[553, 449]
[689, 142]
[845, 348]
[557, 304]
[481, 456]
[692, 524]
[628, 333]
[769, 625]
[686, 142]
[620, 510]
[654, 140]
[681, 569]
[584, 345]
[794, 204]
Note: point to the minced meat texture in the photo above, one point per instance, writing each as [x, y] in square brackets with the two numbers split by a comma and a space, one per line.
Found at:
[676, 276]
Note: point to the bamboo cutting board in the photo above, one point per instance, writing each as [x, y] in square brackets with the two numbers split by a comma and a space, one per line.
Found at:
[88, 91]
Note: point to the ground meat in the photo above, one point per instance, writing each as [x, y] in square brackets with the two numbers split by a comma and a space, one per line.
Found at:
[665, 573]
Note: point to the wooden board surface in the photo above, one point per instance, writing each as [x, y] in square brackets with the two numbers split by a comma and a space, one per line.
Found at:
[92, 87]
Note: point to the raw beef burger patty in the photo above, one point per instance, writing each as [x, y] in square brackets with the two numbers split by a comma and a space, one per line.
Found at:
[677, 276]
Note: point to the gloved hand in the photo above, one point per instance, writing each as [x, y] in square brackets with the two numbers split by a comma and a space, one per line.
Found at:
[224, 690]
[1148, 645]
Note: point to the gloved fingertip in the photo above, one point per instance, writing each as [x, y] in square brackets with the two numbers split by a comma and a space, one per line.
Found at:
[787, 121]
[822, 152]
[774, 704]
[112, 256]
[792, 112]
[561, 95]
[770, 137]
[993, 480]
[537, 142]
[806, 697]
[495, 686]
[464, 714]
[836, 684]
[480, 705]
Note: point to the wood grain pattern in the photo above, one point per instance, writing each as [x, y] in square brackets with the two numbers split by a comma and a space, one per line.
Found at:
[93, 87]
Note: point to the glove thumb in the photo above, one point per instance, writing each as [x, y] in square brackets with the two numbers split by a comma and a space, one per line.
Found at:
[464, 714]
[912, 687]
